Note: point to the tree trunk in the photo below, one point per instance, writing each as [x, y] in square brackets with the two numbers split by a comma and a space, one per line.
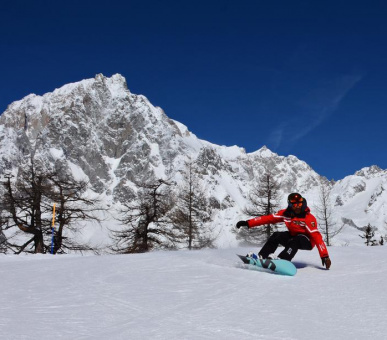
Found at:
[39, 245]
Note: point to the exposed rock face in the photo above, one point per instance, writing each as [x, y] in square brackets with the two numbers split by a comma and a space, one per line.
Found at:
[99, 129]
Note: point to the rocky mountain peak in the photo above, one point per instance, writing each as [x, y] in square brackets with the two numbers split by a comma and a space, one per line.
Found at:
[372, 171]
[116, 139]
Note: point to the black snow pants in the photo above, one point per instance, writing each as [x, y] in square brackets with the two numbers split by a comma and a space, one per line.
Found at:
[291, 244]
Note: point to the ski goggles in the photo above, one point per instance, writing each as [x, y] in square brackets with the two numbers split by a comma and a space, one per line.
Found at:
[296, 202]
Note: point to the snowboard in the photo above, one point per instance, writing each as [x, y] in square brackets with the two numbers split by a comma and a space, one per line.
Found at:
[279, 266]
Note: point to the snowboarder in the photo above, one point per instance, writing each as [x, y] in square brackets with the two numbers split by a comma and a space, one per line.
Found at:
[302, 234]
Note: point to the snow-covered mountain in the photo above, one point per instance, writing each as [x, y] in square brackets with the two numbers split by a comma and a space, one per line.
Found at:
[99, 130]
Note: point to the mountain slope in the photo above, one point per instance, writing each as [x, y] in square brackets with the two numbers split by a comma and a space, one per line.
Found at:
[99, 130]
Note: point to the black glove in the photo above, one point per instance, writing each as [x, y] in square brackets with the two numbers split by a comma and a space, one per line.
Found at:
[242, 224]
[326, 262]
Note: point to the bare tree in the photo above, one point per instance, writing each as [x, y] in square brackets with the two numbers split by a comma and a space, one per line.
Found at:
[263, 200]
[27, 210]
[23, 203]
[192, 212]
[74, 205]
[324, 215]
[146, 222]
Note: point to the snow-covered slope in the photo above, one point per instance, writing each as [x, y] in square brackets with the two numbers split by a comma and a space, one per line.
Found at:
[193, 295]
[101, 131]
[362, 197]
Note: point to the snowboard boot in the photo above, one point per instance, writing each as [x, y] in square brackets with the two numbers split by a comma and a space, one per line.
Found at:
[273, 257]
[252, 255]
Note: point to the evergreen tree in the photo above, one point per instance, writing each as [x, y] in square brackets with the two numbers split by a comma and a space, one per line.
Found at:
[381, 241]
[369, 234]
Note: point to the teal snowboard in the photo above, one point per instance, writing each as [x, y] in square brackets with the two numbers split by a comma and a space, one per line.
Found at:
[279, 266]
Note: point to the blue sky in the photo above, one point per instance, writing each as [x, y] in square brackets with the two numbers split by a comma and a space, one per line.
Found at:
[307, 78]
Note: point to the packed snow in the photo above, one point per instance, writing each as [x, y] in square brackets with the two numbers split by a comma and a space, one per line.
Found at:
[205, 294]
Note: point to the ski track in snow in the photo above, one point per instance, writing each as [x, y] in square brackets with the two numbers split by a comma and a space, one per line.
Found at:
[204, 294]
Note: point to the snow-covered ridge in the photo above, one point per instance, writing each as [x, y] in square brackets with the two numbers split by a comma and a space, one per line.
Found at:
[98, 128]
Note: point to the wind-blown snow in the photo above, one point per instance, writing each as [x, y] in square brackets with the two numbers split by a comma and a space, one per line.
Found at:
[193, 295]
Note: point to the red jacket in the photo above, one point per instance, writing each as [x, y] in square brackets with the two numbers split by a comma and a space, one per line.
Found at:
[297, 225]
